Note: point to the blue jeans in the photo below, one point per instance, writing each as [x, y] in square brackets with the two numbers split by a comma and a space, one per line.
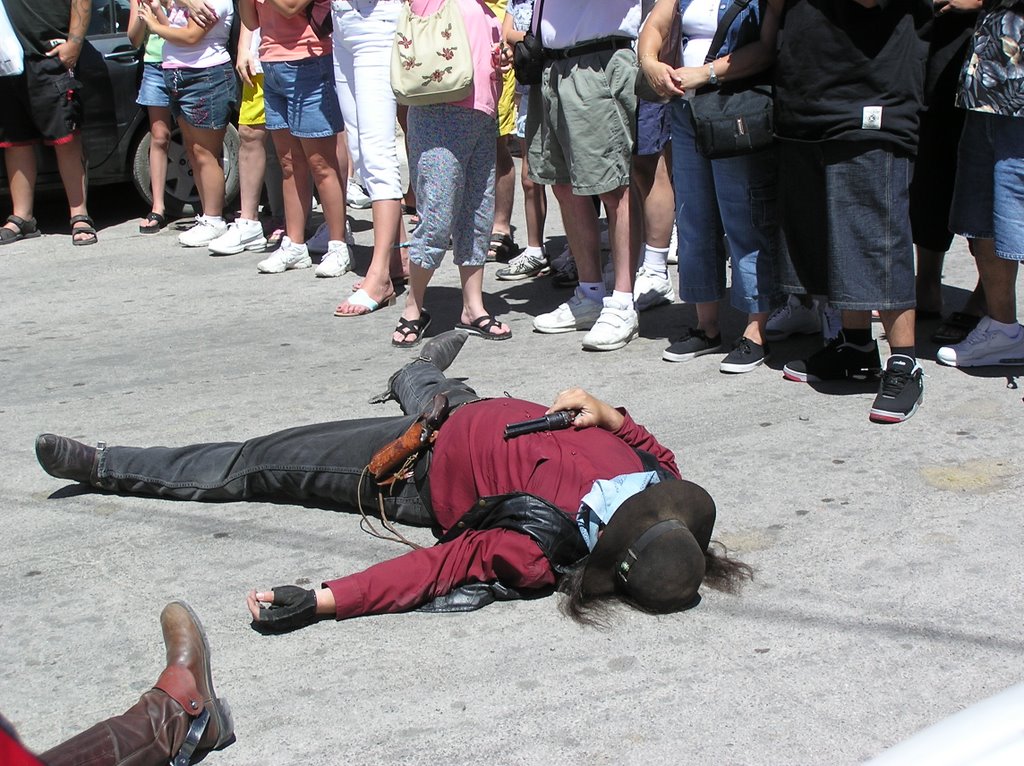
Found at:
[737, 195]
[319, 462]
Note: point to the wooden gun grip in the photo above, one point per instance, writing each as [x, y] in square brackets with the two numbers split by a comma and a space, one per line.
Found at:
[392, 455]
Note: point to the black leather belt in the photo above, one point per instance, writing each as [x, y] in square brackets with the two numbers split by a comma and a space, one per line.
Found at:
[597, 46]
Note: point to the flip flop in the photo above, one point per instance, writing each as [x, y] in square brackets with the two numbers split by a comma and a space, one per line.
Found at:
[481, 326]
[159, 220]
[362, 299]
[412, 330]
[89, 229]
[955, 328]
[27, 229]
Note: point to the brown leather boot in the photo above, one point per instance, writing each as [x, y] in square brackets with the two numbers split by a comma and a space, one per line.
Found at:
[178, 721]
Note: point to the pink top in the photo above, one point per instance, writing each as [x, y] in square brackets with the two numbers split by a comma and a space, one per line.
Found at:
[288, 39]
[212, 48]
[484, 32]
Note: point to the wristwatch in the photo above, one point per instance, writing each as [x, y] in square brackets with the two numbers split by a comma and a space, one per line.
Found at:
[712, 77]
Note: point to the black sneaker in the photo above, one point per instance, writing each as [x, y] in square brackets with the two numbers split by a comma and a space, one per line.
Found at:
[839, 360]
[901, 391]
[744, 357]
[691, 344]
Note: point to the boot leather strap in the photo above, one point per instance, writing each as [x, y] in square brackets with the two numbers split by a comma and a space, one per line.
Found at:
[195, 733]
[179, 684]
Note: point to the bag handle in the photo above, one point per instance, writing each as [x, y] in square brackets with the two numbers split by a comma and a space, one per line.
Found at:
[737, 7]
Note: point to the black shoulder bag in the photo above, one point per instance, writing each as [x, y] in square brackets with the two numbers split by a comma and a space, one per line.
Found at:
[528, 58]
[735, 117]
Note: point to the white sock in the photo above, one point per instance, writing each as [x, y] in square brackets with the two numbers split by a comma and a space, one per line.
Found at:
[534, 251]
[1010, 330]
[621, 300]
[656, 259]
[214, 218]
[592, 291]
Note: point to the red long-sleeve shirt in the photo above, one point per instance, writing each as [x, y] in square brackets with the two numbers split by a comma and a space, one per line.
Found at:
[472, 459]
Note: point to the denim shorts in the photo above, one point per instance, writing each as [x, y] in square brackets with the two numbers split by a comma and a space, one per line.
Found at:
[204, 98]
[153, 89]
[845, 212]
[653, 129]
[988, 200]
[299, 96]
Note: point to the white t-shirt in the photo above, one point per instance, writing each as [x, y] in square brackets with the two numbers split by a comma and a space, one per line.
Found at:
[212, 48]
[699, 24]
[565, 23]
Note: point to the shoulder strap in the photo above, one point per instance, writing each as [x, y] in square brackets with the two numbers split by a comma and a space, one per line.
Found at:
[737, 7]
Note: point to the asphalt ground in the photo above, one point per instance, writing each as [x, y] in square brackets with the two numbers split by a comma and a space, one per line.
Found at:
[888, 558]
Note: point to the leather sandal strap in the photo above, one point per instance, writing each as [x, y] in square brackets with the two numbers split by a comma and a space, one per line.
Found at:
[20, 222]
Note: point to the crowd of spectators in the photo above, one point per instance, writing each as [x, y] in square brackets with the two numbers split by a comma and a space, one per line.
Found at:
[819, 230]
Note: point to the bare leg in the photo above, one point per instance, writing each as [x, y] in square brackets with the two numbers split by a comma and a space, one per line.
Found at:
[473, 298]
[71, 164]
[535, 201]
[504, 188]
[580, 221]
[387, 219]
[21, 176]
[999, 278]
[252, 164]
[295, 185]
[899, 326]
[322, 158]
[623, 232]
[160, 138]
[206, 149]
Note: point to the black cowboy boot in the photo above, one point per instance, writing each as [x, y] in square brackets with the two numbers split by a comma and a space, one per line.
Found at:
[178, 721]
[439, 351]
[66, 459]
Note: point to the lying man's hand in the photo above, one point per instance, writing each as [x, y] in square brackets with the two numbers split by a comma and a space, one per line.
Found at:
[290, 608]
[592, 411]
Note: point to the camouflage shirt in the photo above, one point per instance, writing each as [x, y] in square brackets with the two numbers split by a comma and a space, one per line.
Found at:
[992, 79]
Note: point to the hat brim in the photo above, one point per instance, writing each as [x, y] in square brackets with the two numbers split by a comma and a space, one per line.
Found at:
[671, 499]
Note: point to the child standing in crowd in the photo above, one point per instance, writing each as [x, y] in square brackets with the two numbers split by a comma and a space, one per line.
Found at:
[304, 119]
[452, 159]
[154, 96]
[201, 82]
[532, 261]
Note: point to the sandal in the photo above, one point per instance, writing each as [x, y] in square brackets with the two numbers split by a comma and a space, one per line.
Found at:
[27, 229]
[156, 221]
[503, 248]
[409, 210]
[412, 330]
[362, 299]
[89, 229]
[482, 326]
[955, 328]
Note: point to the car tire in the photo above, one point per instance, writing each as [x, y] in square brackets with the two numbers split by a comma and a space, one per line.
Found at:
[180, 193]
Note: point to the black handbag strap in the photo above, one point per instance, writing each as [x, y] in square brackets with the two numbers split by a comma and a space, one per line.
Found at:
[737, 7]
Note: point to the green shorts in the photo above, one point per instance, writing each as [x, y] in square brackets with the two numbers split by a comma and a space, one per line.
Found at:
[580, 122]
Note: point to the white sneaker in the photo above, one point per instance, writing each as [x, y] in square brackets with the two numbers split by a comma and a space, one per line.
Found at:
[652, 289]
[577, 313]
[356, 196]
[984, 346]
[336, 262]
[287, 256]
[240, 235]
[793, 318]
[523, 266]
[673, 248]
[203, 233]
[614, 328]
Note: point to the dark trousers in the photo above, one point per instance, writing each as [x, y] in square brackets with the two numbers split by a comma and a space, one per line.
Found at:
[319, 463]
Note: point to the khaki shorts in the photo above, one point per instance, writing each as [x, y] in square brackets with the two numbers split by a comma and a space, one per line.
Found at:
[251, 111]
[581, 120]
